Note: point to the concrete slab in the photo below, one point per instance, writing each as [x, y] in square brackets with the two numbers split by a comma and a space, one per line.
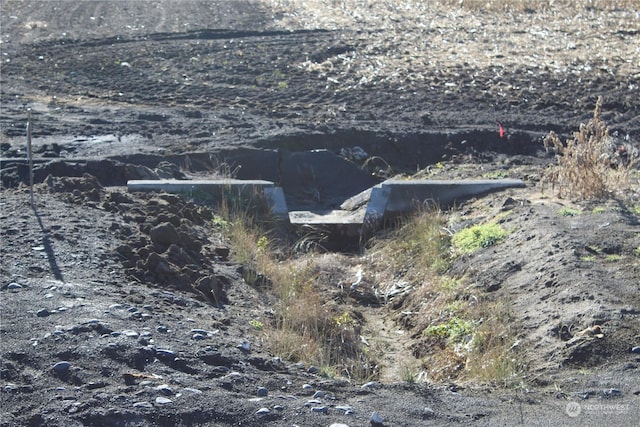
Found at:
[404, 195]
[326, 218]
[217, 189]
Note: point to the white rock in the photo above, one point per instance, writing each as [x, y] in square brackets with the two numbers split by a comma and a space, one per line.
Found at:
[263, 411]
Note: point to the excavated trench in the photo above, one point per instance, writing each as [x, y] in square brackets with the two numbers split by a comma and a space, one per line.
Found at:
[326, 179]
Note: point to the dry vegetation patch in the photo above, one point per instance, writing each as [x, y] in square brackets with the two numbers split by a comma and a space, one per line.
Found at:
[592, 164]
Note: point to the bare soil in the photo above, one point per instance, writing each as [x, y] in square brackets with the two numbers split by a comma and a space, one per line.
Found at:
[137, 292]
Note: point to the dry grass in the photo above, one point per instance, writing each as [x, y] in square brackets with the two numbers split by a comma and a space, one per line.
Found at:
[420, 241]
[591, 164]
[306, 324]
[463, 335]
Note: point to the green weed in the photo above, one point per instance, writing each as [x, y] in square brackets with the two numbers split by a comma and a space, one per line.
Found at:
[565, 211]
[455, 330]
[478, 236]
[256, 324]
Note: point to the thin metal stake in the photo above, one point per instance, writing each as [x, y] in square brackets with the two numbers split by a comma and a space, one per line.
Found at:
[30, 156]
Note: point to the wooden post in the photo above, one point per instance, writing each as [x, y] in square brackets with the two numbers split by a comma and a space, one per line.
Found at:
[30, 156]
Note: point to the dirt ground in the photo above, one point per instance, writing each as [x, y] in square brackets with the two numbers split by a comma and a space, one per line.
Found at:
[124, 309]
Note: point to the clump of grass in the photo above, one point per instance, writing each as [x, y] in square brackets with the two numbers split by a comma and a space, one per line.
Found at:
[588, 165]
[408, 373]
[455, 330]
[478, 236]
[494, 352]
[256, 324]
[419, 241]
[566, 211]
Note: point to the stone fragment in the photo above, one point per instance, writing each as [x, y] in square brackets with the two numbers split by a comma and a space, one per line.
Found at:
[376, 419]
[263, 411]
[62, 366]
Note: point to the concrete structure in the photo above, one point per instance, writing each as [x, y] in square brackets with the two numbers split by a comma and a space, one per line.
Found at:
[216, 190]
[358, 216]
[397, 197]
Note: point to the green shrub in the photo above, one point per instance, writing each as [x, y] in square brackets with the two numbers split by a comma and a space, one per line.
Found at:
[455, 330]
[478, 236]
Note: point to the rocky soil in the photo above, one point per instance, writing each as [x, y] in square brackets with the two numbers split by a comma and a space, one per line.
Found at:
[123, 308]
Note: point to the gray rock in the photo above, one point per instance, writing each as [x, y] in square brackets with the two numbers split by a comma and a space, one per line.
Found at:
[147, 405]
[313, 402]
[263, 411]
[278, 407]
[318, 394]
[345, 408]
[612, 392]
[338, 425]
[14, 285]
[262, 392]
[62, 366]
[636, 349]
[130, 333]
[162, 329]
[313, 369]
[165, 389]
[163, 400]
[307, 387]
[164, 353]
[198, 337]
[193, 390]
[428, 412]
[376, 419]
[320, 409]
[43, 312]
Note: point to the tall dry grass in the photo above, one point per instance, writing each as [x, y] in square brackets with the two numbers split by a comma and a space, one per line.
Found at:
[306, 325]
[591, 164]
